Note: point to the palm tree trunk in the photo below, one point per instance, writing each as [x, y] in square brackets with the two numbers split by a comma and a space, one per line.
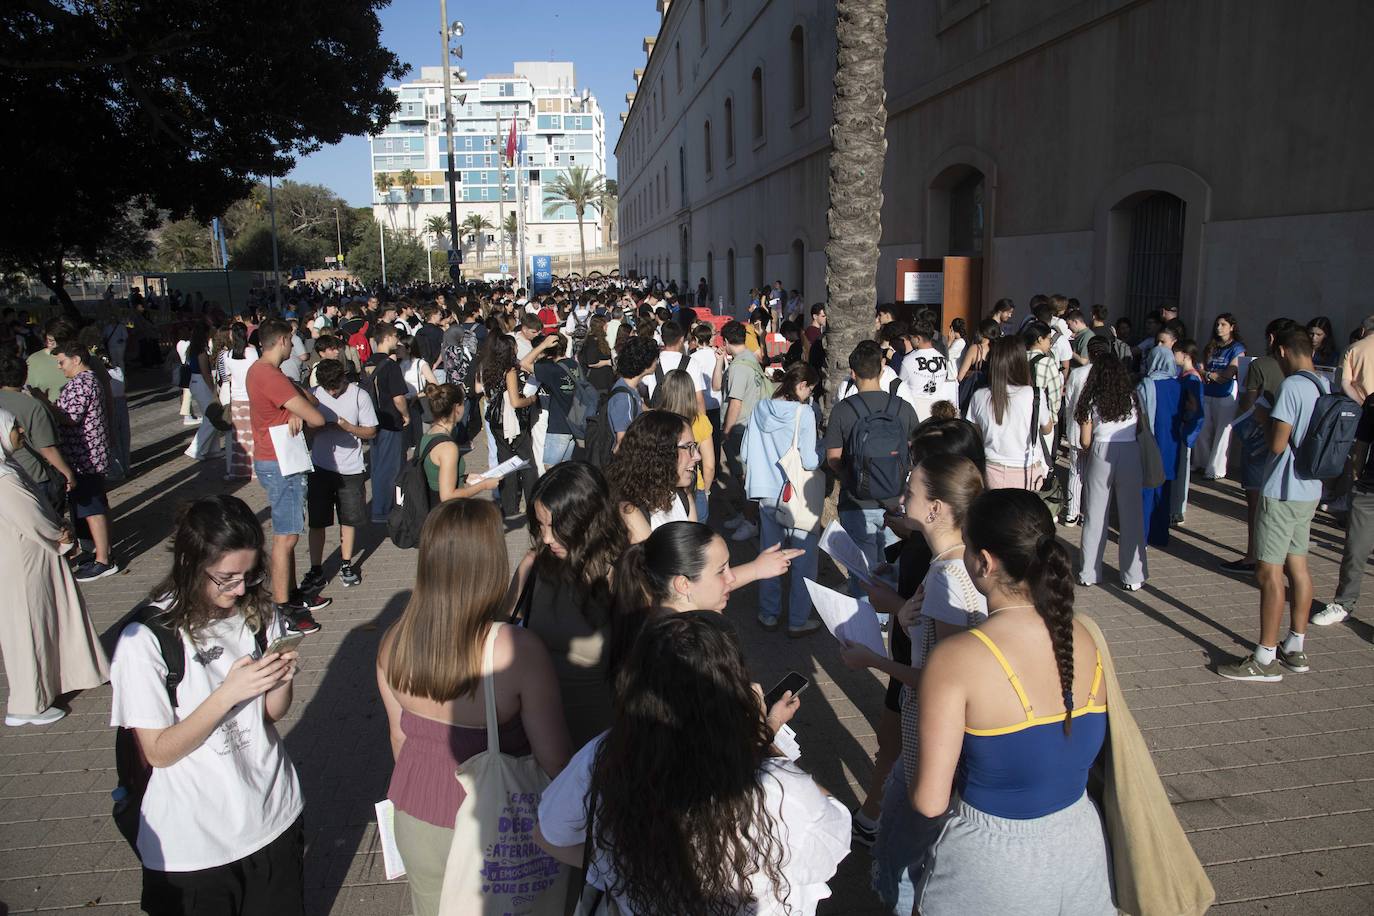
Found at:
[858, 153]
[581, 242]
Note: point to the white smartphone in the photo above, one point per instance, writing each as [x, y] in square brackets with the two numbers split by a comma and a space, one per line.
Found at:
[284, 644]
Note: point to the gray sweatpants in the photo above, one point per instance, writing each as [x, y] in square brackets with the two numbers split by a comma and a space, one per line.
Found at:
[1359, 542]
[1051, 864]
[1112, 469]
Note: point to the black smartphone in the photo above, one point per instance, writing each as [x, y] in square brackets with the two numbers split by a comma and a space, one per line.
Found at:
[793, 682]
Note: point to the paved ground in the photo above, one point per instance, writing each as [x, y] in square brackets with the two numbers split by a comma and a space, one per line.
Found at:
[1275, 783]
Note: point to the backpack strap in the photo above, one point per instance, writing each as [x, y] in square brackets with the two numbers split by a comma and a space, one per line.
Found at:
[168, 643]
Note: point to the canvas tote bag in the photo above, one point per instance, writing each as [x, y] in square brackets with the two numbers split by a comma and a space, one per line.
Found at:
[494, 866]
[803, 510]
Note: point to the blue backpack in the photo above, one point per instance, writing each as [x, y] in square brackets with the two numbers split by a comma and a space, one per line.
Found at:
[1330, 435]
[585, 400]
[876, 450]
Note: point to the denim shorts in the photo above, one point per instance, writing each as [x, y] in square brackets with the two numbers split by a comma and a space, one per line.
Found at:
[286, 495]
[87, 498]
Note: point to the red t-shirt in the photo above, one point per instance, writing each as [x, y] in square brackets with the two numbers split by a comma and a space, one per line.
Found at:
[550, 319]
[268, 391]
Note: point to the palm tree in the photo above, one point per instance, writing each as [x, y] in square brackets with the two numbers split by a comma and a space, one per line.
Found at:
[580, 189]
[382, 181]
[511, 227]
[858, 153]
[437, 227]
[407, 179]
[610, 208]
[476, 225]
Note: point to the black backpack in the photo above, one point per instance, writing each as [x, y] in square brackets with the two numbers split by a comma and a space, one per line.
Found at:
[131, 766]
[600, 442]
[414, 499]
[585, 400]
[876, 451]
[1330, 435]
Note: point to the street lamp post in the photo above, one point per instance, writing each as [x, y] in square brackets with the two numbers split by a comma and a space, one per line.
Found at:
[338, 236]
[448, 32]
[276, 268]
[381, 235]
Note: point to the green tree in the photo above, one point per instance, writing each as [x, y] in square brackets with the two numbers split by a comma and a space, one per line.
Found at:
[183, 244]
[405, 257]
[383, 182]
[859, 150]
[437, 227]
[407, 179]
[580, 189]
[476, 226]
[175, 106]
[511, 227]
[252, 250]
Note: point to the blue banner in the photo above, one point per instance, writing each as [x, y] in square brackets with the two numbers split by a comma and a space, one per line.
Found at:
[542, 274]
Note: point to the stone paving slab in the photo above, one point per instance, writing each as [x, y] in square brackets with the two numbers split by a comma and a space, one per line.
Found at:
[1274, 783]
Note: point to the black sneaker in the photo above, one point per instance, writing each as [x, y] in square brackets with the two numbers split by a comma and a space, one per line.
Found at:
[311, 601]
[313, 581]
[94, 569]
[348, 576]
[1239, 566]
[299, 620]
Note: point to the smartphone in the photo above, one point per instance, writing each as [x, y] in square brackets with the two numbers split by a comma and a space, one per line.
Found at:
[284, 644]
[793, 682]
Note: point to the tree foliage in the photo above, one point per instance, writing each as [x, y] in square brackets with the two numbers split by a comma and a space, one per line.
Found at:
[405, 256]
[183, 245]
[581, 189]
[133, 111]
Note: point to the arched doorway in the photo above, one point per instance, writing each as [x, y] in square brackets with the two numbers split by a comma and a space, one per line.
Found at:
[1154, 254]
[798, 277]
[685, 254]
[957, 221]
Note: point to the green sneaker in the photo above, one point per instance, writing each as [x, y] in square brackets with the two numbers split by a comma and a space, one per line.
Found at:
[1248, 669]
[1294, 661]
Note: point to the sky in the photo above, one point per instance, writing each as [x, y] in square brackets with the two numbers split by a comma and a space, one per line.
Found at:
[603, 38]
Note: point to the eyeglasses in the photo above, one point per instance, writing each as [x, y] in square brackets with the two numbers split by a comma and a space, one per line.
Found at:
[690, 447]
[251, 580]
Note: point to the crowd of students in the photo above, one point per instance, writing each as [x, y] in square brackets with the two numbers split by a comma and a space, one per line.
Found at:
[638, 422]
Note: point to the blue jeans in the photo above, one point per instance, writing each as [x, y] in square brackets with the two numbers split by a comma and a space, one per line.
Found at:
[865, 526]
[703, 506]
[388, 454]
[558, 448]
[904, 841]
[285, 495]
[803, 567]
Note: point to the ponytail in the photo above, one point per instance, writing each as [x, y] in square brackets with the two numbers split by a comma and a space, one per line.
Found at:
[632, 593]
[1051, 588]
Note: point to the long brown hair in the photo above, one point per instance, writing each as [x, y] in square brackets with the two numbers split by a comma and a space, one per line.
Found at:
[460, 586]
[1007, 368]
[206, 530]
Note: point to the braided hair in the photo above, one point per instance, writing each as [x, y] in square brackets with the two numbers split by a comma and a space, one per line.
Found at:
[1016, 527]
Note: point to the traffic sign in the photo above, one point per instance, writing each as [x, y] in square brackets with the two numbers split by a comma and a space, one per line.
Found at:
[298, 273]
[455, 271]
[505, 268]
[455, 256]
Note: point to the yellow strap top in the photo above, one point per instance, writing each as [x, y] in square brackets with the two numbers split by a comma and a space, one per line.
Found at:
[1031, 718]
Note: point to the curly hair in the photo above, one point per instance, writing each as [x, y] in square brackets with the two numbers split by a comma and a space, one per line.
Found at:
[643, 471]
[499, 358]
[1108, 391]
[677, 781]
[586, 523]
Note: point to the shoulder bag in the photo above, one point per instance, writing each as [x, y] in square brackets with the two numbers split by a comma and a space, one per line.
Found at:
[494, 865]
[1052, 487]
[1151, 461]
[801, 508]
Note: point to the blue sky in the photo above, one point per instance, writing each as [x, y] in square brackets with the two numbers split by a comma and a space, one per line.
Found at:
[603, 38]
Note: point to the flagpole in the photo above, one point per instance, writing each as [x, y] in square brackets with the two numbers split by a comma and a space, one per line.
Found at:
[520, 214]
[501, 203]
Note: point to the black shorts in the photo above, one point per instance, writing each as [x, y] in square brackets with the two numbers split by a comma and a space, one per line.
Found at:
[269, 882]
[327, 489]
[87, 498]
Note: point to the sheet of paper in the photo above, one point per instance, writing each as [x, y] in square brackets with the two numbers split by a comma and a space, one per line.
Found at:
[509, 466]
[848, 618]
[386, 833]
[293, 454]
[786, 741]
[842, 549]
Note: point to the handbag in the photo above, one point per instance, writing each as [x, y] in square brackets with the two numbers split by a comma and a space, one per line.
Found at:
[802, 511]
[494, 866]
[1151, 461]
[1154, 869]
[1052, 487]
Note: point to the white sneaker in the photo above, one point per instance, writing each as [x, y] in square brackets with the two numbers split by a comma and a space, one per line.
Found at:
[730, 524]
[46, 717]
[190, 421]
[745, 532]
[1332, 613]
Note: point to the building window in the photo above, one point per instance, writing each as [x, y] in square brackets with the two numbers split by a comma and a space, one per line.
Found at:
[677, 54]
[760, 276]
[706, 147]
[682, 175]
[730, 277]
[757, 90]
[729, 131]
[798, 45]
[705, 34]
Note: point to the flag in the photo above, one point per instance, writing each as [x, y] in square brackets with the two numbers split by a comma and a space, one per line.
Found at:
[510, 144]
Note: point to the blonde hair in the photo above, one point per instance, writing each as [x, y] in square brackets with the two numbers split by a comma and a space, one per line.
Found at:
[677, 393]
[460, 585]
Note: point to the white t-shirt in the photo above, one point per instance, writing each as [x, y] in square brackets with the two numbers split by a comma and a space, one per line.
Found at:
[669, 360]
[813, 828]
[926, 374]
[238, 373]
[336, 450]
[1008, 442]
[413, 371]
[1116, 430]
[956, 353]
[703, 363]
[1073, 390]
[1062, 347]
[237, 791]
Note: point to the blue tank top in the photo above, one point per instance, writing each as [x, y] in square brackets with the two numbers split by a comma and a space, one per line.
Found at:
[1032, 768]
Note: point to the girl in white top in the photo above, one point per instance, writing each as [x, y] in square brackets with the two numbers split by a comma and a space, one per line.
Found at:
[1004, 412]
[717, 823]
[223, 802]
[958, 343]
[1106, 415]
[653, 473]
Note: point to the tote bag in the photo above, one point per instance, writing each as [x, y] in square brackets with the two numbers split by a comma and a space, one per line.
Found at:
[1151, 461]
[494, 866]
[803, 510]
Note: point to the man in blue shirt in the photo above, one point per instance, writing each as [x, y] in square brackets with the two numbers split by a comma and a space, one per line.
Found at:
[1283, 525]
[638, 359]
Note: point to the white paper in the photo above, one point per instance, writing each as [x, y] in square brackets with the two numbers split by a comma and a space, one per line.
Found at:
[509, 466]
[386, 833]
[786, 741]
[293, 454]
[847, 618]
[844, 551]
